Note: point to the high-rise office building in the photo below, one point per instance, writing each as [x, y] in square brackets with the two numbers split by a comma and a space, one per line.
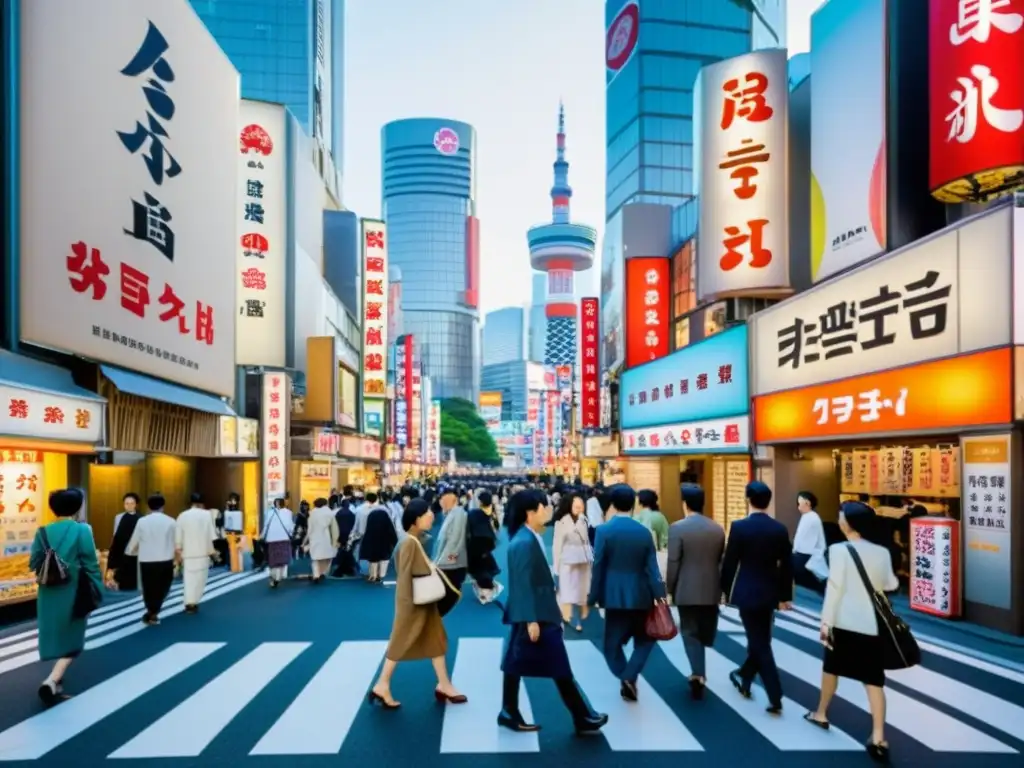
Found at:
[537, 327]
[429, 202]
[290, 53]
[504, 336]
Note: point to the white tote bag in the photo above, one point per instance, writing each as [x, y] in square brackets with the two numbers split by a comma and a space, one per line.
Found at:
[429, 589]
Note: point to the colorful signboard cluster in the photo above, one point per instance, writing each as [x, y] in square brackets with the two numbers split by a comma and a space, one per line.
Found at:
[262, 235]
[373, 240]
[590, 375]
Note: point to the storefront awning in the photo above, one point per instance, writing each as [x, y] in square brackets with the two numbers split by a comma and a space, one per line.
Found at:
[25, 373]
[144, 386]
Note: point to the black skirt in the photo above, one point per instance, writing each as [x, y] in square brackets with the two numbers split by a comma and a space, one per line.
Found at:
[856, 657]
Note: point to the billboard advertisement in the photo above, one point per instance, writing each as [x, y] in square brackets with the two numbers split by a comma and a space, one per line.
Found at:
[703, 381]
[622, 34]
[590, 376]
[648, 306]
[726, 435]
[742, 144]
[375, 308]
[976, 99]
[128, 233]
[848, 59]
[490, 408]
[373, 418]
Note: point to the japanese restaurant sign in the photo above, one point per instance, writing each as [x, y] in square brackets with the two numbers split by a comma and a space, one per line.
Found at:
[966, 391]
[262, 235]
[21, 509]
[434, 433]
[986, 512]
[940, 297]
[648, 305]
[375, 308]
[743, 133]
[729, 435]
[706, 380]
[276, 424]
[44, 416]
[129, 258]
[976, 98]
[590, 378]
[935, 583]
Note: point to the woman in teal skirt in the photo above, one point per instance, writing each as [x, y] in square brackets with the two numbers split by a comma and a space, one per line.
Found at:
[61, 636]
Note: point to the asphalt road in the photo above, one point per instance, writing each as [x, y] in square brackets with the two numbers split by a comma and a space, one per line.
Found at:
[279, 678]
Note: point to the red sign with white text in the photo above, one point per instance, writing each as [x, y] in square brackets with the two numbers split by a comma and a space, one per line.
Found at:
[976, 98]
[648, 293]
[590, 380]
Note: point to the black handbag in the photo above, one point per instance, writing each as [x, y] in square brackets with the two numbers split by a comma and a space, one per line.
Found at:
[87, 594]
[900, 649]
[53, 571]
[451, 595]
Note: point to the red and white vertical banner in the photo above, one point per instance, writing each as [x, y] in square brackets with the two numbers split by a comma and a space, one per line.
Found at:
[375, 308]
[275, 425]
[409, 393]
[648, 296]
[434, 433]
[590, 377]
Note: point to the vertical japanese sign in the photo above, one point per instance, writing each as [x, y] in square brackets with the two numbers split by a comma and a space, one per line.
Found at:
[976, 98]
[276, 424]
[935, 566]
[590, 396]
[403, 379]
[744, 226]
[408, 393]
[416, 415]
[262, 235]
[375, 308]
[986, 492]
[648, 304]
[21, 506]
[129, 258]
[434, 433]
[533, 409]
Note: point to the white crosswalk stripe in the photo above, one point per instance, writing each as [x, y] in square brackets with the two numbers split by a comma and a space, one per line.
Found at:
[321, 717]
[119, 622]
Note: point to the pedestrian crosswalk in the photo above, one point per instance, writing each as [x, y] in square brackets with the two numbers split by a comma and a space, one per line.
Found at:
[116, 621]
[325, 708]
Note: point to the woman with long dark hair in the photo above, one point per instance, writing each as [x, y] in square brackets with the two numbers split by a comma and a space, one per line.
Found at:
[573, 558]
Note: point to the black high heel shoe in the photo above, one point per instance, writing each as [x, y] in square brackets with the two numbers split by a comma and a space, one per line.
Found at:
[878, 752]
[375, 698]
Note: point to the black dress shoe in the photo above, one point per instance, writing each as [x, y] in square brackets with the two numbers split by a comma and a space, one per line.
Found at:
[591, 724]
[740, 684]
[696, 688]
[516, 723]
[628, 691]
[774, 709]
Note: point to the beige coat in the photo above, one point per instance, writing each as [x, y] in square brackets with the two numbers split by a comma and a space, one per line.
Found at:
[417, 632]
[322, 538]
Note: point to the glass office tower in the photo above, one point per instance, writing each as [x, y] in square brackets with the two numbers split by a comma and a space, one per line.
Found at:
[429, 202]
[505, 336]
[290, 53]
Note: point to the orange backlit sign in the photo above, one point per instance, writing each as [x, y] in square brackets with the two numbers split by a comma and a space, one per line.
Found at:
[965, 391]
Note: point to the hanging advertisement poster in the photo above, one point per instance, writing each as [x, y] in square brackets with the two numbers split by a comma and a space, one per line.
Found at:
[648, 296]
[590, 378]
[375, 308]
[935, 566]
[986, 493]
[276, 424]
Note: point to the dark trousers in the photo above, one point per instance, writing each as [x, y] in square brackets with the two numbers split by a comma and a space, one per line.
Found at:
[760, 658]
[457, 576]
[621, 626]
[803, 577]
[156, 583]
[568, 690]
[127, 574]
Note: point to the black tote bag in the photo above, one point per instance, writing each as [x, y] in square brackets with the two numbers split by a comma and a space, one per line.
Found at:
[900, 648]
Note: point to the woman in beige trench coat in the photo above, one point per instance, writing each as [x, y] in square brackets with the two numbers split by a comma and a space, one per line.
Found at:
[417, 632]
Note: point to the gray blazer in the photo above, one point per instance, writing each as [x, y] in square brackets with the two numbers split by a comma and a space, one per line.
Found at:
[695, 547]
[450, 550]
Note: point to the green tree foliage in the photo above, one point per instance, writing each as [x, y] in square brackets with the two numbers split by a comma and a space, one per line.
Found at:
[464, 430]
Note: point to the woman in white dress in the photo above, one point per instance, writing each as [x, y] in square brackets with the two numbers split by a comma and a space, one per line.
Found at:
[573, 558]
[321, 539]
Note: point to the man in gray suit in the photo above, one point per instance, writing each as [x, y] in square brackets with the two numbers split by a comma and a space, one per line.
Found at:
[450, 549]
[695, 547]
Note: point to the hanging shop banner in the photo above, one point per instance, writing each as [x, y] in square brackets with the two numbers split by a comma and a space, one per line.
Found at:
[729, 435]
[742, 138]
[702, 381]
[260, 253]
[939, 297]
[590, 378]
[44, 416]
[959, 392]
[375, 308]
[434, 433]
[986, 511]
[276, 415]
[976, 98]
[935, 582]
[648, 305]
[128, 212]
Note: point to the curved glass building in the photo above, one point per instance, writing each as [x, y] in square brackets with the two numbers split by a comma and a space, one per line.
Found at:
[429, 204]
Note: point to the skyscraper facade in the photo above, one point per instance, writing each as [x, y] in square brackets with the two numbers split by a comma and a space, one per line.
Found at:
[290, 53]
[538, 323]
[505, 336]
[560, 249]
[428, 167]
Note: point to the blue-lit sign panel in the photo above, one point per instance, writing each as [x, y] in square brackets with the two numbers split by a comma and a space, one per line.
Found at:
[703, 381]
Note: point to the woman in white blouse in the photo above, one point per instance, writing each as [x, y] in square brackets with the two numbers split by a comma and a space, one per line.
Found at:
[321, 539]
[573, 558]
[849, 625]
[810, 569]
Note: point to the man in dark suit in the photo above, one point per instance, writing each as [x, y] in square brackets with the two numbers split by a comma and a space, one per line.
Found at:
[757, 578]
[695, 546]
[625, 581]
[535, 645]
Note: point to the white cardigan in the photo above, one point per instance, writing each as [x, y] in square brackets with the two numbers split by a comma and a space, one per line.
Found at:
[847, 603]
[571, 535]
